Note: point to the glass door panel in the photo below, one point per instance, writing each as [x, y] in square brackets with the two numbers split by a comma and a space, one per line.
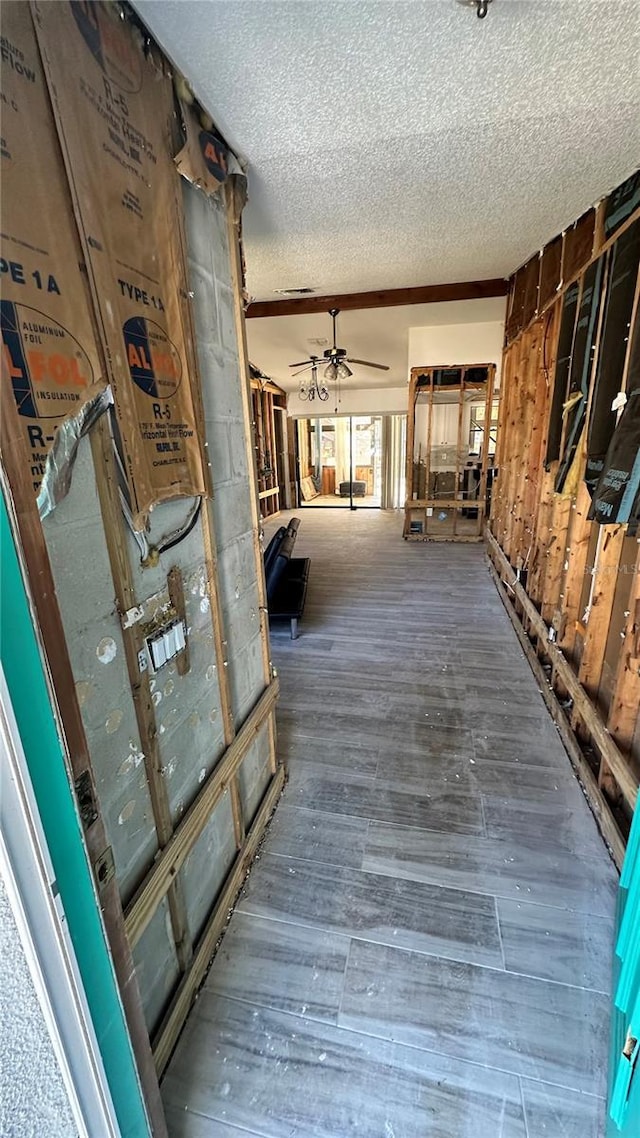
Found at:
[340, 461]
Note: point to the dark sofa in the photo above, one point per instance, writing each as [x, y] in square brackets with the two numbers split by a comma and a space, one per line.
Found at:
[286, 577]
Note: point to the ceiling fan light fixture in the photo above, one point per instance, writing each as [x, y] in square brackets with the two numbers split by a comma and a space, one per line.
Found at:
[331, 371]
[343, 372]
[309, 389]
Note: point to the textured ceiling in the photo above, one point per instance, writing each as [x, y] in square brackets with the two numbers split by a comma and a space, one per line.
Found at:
[394, 144]
[378, 334]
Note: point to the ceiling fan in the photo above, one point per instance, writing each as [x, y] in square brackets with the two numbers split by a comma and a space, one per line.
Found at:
[336, 359]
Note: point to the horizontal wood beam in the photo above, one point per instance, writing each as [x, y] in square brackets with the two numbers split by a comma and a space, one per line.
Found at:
[445, 504]
[163, 872]
[171, 1025]
[384, 298]
[600, 737]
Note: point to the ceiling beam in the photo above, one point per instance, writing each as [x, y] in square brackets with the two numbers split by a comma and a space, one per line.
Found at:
[385, 298]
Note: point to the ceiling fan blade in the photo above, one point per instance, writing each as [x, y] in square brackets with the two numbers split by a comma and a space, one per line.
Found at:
[301, 370]
[367, 363]
[300, 363]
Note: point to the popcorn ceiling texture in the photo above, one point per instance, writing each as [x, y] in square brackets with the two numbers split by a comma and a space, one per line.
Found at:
[33, 1098]
[394, 144]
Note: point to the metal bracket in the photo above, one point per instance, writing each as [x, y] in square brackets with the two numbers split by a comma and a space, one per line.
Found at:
[131, 616]
[86, 799]
[105, 868]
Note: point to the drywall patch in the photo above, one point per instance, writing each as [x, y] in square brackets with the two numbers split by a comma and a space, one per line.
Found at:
[83, 692]
[132, 760]
[169, 768]
[126, 812]
[126, 766]
[113, 721]
[107, 650]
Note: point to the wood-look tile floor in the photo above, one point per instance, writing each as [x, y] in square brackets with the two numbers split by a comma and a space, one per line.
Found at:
[423, 948]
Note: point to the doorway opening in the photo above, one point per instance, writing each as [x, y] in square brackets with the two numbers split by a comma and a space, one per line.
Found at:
[345, 461]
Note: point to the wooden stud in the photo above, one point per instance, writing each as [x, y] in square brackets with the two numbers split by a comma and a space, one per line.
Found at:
[456, 484]
[606, 571]
[568, 610]
[429, 502]
[233, 237]
[178, 1010]
[624, 776]
[168, 862]
[593, 793]
[116, 541]
[623, 714]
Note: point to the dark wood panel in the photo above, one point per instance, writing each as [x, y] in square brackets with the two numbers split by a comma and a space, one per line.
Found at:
[515, 319]
[578, 245]
[550, 272]
[530, 300]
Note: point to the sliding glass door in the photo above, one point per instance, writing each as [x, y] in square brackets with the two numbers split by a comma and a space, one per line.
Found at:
[343, 461]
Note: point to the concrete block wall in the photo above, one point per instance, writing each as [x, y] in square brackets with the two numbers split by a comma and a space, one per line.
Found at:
[187, 709]
[218, 353]
[86, 596]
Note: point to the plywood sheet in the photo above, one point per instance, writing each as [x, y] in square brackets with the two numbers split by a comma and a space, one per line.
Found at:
[578, 245]
[530, 299]
[550, 272]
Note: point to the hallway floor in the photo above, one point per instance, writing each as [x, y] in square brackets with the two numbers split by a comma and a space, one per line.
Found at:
[423, 948]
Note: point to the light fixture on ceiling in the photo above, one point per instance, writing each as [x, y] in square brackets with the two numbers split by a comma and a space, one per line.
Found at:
[312, 389]
[336, 370]
[336, 358]
[481, 6]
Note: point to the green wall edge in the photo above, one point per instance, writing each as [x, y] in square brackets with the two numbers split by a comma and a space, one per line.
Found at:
[25, 676]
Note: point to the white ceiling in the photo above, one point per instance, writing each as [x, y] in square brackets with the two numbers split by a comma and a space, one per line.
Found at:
[394, 144]
[378, 334]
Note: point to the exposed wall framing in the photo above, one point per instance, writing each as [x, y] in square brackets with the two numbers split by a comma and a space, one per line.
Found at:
[571, 583]
[175, 765]
[447, 472]
[270, 435]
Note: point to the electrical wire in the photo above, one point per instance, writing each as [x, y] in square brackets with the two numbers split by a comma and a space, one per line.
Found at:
[179, 535]
[148, 553]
